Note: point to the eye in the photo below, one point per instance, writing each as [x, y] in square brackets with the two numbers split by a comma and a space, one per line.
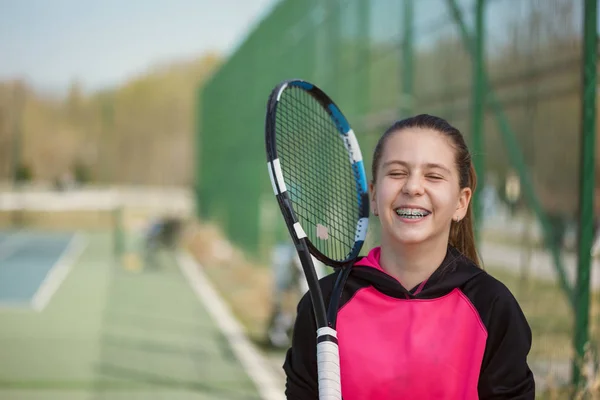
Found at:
[397, 173]
[434, 177]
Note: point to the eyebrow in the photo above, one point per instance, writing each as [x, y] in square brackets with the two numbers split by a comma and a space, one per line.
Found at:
[405, 164]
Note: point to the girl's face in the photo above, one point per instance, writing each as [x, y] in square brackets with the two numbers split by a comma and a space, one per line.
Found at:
[417, 193]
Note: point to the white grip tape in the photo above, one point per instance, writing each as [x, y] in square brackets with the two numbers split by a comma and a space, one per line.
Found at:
[328, 367]
[276, 166]
[326, 331]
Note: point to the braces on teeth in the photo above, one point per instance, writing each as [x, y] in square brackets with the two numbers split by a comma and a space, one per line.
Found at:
[412, 213]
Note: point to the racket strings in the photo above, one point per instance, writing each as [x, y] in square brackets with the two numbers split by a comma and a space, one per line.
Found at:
[311, 156]
[317, 169]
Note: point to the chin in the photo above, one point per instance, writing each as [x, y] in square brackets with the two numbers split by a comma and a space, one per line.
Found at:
[412, 240]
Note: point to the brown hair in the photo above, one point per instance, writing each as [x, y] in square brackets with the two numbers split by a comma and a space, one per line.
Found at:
[461, 233]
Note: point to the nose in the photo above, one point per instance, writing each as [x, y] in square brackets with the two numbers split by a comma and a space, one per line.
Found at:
[413, 186]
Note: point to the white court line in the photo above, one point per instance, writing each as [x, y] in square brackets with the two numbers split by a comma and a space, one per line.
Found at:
[254, 363]
[58, 272]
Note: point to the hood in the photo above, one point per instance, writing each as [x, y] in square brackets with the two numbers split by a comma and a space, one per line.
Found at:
[455, 271]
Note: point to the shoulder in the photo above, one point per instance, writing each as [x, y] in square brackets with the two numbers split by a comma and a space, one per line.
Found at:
[326, 284]
[493, 300]
[504, 370]
[490, 285]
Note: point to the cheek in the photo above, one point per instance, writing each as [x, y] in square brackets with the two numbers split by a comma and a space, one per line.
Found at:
[386, 193]
[445, 200]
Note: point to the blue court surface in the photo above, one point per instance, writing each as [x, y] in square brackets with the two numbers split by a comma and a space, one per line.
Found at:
[32, 266]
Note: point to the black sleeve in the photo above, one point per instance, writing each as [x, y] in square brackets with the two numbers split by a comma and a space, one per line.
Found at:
[300, 364]
[505, 373]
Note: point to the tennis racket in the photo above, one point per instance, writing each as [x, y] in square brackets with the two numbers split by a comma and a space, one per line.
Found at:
[318, 176]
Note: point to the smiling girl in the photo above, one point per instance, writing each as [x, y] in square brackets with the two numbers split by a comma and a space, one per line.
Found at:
[418, 317]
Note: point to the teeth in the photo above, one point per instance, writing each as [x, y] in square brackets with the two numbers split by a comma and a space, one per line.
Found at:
[411, 212]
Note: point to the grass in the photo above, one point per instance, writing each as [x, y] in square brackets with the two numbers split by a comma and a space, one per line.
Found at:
[548, 312]
[552, 323]
[244, 285]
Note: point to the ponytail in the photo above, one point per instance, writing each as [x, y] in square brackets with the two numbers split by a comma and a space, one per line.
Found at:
[462, 235]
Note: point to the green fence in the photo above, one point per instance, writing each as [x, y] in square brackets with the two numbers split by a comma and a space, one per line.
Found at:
[508, 73]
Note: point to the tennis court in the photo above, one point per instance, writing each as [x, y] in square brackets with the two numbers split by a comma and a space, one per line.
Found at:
[34, 266]
[75, 323]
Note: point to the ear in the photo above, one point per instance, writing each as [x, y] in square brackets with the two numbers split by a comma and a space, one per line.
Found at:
[373, 199]
[464, 198]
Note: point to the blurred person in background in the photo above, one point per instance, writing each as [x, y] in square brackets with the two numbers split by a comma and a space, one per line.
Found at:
[419, 318]
[162, 234]
[288, 280]
[65, 182]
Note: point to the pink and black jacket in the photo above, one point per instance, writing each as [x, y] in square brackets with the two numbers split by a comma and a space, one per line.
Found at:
[460, 335]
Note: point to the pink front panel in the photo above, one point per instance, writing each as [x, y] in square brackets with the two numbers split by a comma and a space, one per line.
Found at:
[410, 349]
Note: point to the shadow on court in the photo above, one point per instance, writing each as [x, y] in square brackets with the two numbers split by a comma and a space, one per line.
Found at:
[158, 341]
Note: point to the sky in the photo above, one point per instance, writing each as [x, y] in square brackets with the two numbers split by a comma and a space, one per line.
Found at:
[102, 43]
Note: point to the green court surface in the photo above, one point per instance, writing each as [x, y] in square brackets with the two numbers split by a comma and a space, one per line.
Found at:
[109, 332]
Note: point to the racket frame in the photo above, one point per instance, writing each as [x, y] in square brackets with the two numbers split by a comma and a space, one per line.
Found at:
[278, 182]
[327, 345]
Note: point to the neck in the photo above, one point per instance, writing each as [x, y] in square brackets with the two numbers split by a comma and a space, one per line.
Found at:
[411, 264]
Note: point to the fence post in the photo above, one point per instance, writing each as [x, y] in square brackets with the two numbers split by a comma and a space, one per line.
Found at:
[586, 191]
[407, 64]
[363, 60]
[334, 44]
[478, 108]
[198, 123]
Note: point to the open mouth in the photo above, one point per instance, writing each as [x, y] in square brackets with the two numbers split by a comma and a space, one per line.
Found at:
[412, 213]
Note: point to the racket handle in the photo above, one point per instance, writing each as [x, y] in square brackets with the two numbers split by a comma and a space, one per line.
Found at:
[328, 365]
